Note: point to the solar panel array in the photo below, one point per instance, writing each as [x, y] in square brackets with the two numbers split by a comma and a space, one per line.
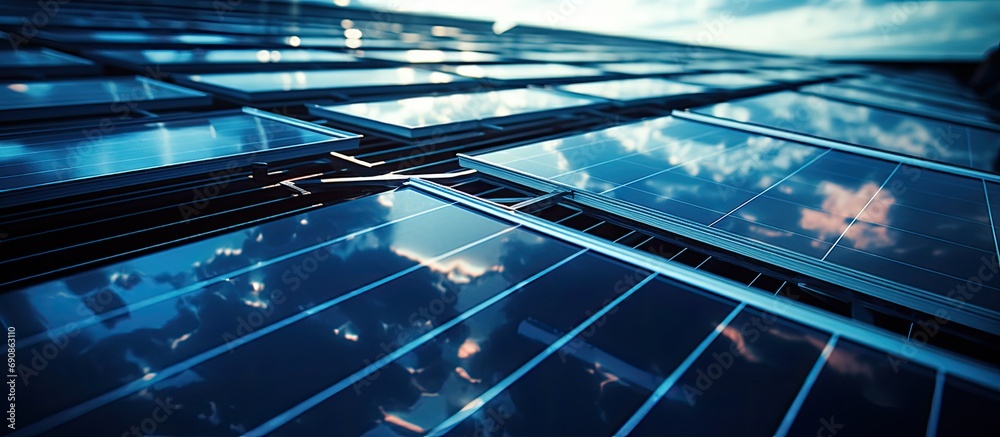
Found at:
[257, 218]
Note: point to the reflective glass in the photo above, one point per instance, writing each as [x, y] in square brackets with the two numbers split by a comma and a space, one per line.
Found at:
[428, 56]
[643, 68]
[422, 112]
[759, 360]
[119, 94]
[868, 127]
[968, 409]
[470, 358]
[252, 282]
[72, 155]
[864, 96]
[285, 81]
[18, 63]
[595, 383]
[875, 393]
[918, 227]
[634, 89]
[521, 72]
[181, 57]
[725, 80]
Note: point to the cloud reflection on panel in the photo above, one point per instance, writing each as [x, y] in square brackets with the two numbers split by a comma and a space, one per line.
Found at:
[868, 127]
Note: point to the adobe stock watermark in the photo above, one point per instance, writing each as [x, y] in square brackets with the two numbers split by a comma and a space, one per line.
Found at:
[11, 416]
[47, 11]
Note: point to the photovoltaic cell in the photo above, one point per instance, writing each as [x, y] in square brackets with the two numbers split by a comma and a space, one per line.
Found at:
[73, 161]
[890, 131]
[424, 116]
[643, 68]
[727, 81]
[429, 56]
[312, 83]
[633, 90]
[73, 97]
[897, 102]
[521, 73]
[918, 227]
[221, 59]
[420, 315]
[43, 62]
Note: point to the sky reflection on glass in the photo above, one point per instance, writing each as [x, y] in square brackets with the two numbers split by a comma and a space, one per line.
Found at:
[918, 227]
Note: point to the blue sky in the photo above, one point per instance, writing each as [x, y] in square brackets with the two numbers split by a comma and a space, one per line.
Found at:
[826, 28]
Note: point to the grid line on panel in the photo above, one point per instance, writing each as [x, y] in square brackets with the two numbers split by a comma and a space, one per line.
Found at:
[176, 369]
[723, 151]
[935, 415]
[103, 317]
[848, 228]
[800, 398]
[486, 397]
[989, 211]
[276, 422]
[624, 156]
[675, 376]
[770, 187]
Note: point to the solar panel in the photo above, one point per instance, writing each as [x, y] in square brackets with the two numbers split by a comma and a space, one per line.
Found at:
[636, 90]
[202, 61]
[429, 56]
[270, 86]
[525, 73]
[43, 62]
[727, 81]
[436, 318]
[75, 97]
[899, 103]
[643, 68]
[71, 161]
[928, 230]
[889, 131]
[425, 116]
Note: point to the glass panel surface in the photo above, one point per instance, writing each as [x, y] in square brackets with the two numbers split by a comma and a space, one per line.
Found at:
[864, 96]
[879, 129]
[429, 56]
[593, 384]
[61, 156]
[441, 110]
[643, 68]
[139, 338]
[322, 79]
[115, 91]
[634, 89]
[517, 72]
[23, 58]
[181, 57]
[865, 389]
[921, 228]
[759, 360]
[470, 358]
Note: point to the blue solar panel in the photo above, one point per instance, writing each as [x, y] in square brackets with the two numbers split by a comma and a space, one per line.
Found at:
[72, 97]
[70, 161]
[880, 129]
[404, 312]
[918, 227]
[318, 83]
[43, 62]
[438, 115]
[635, 90]
[201, 61]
